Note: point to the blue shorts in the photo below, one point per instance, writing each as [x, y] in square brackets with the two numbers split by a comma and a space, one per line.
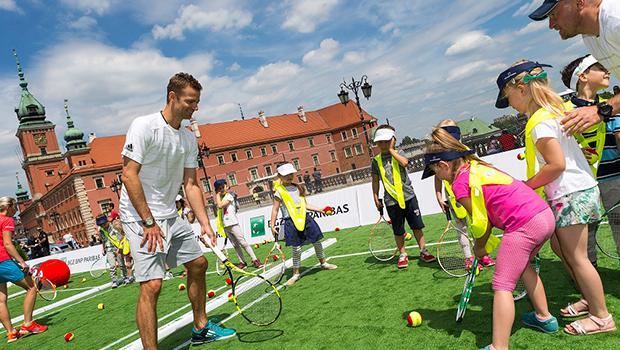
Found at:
[10, 272]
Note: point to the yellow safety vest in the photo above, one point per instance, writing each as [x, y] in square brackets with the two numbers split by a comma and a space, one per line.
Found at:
[220, 220]
[459, 210]
[121, 244]
[530, 148]
[478, 221]
[297, 212]
[598, 139]
[396, 189]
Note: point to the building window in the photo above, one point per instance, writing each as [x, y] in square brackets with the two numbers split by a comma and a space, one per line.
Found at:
[329, 138]
[233, 156]
[220, 159]
[49, 173]
[248, 153]
[105, 205]
[99, 182]
[263, 151]
[353, 167]
[315, 159]
[274, 149]
[299, 179]
[268, 170]
[43, 150]
[347, 152]
[343, 134]
[232, 179]
[296, 163]
[254, 173]
[310, 142]
[291, 147]
[358, 149]
[206, 186]
[354, 133]
[332, 155]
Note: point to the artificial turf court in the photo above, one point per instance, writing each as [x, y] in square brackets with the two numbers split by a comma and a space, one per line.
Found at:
[359, 305]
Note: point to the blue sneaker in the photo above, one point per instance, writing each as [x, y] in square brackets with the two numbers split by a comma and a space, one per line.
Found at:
[547, 326]
[488, 347]
[210, 333]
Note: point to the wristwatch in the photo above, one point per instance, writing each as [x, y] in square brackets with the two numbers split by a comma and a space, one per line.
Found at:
[605, 110]
[148, 222]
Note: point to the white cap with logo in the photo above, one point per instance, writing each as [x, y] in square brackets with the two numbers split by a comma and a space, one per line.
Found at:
[384, 135]
[286, 169]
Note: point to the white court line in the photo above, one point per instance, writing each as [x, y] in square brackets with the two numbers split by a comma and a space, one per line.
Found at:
[187, 318]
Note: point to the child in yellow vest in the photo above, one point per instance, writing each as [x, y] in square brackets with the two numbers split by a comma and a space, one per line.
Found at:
[299, 227]
[587, 76]
[492, 198]
[390, 167]
[456, 210]
[557, 169]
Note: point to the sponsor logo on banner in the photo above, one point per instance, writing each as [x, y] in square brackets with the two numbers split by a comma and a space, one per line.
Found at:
[257, 226]
[338, 210]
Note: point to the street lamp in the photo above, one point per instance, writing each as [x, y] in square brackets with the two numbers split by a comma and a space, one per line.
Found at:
[55, 216]
[116, 186]
[355, 86]
[203, 150]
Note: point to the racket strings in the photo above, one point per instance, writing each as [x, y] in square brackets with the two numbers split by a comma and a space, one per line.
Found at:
[258, 300]
[381, 241]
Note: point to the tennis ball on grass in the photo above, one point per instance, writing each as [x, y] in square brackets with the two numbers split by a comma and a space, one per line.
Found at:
[83, 279]
[337, 229]
[181, 286]
[275, 258]
[100, 306]
[69, 337]
[521, 156]
[231, 298]
[65, 286]
[414, 319]
[256, 246]
[228, 281]
[211, 293]
[408, 236]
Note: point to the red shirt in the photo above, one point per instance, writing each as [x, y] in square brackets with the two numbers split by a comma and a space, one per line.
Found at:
[508, 141]
[6, 224]
[113, 215]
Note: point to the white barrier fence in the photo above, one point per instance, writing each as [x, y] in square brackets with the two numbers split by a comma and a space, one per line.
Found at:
[353, 206]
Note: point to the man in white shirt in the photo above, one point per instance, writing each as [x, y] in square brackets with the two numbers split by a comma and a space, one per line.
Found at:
[159, 156]
[598, 22]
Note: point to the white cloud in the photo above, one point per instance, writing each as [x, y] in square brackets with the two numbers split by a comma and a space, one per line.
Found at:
[527, 8]
[83, 23]
[233, 67]
[468, 42]
[470, 68]
[193, 17]
[97, 6]
[271, 75]
[353, 57]
[304, 15]
[325, 53]
[390, 27]
[532, 27]
[9, 5]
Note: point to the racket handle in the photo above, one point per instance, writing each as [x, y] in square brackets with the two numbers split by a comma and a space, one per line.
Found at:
[447, 212]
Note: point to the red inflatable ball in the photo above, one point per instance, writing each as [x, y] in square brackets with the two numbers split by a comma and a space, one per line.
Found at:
[57, 271]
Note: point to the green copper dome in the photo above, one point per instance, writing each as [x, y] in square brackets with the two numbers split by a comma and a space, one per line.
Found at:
[29, 110]
[74, 137]
[21, 194]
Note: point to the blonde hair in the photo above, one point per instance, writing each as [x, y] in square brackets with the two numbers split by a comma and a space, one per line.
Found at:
[443, 141]
[447, 122]
[540, 90]
[6, 203]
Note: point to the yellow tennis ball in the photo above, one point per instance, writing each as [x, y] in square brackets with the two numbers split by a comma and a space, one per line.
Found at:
[83, 279]
[100, 306]
[408, 236]
[181, 286]
[414, 319]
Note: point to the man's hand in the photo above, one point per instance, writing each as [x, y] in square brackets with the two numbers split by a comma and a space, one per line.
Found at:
[206, 230]
[580, 119]
[153, 236]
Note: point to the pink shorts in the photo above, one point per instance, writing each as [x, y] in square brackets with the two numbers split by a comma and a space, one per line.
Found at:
[519, 247]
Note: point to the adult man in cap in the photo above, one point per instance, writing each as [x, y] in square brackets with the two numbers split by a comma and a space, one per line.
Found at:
[598, 22]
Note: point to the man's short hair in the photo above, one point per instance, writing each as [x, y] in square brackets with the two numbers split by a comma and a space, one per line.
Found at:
[180, 81]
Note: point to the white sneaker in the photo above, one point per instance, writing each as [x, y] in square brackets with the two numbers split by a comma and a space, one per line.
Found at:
[328, 266]
[168, 275]
[293, 279]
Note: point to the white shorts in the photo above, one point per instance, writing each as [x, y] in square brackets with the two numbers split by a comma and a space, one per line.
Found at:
[180, 246]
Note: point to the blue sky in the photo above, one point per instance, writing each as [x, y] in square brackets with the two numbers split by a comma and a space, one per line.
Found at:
[427, 60]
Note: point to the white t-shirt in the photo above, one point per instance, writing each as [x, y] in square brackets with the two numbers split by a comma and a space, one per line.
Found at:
[606, 47]
[229, 214]
[164, 153]
[67, 237]
[294, 192]
[577, 176]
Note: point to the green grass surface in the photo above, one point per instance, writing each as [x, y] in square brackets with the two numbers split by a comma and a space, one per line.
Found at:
[359, 305]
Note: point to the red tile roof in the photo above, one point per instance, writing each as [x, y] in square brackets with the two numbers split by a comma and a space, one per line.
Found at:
[105, 151]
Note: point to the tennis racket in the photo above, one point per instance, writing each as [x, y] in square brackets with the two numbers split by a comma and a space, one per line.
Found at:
[255, 298]
[45, 288]
[276, 256]
[219, 266]
[381, 242]
[467, 289]
[453, 249]
[607, 241]
[520, 292]
[99, 267]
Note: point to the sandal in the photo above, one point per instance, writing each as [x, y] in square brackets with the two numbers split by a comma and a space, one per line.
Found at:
[571, 311]
[603, 325]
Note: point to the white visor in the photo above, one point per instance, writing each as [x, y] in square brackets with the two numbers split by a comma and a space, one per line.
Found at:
[286, 169]
[586, 63]
[384, 135]
[178, 198]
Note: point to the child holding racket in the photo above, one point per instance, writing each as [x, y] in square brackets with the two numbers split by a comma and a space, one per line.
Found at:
[299, 227]
[557, 169]
[14, 269]
[494, 199]
[390, 167]
[112, 243]
[228, 224]
[456, 210]
[587, 76]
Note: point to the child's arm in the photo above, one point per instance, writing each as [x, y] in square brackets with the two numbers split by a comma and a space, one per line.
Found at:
[7, 238]
[221, 203]
[479, 243]
[313, 208]
[403, 161]
[274, 216]
[439, 194]
[551, 151]
[375, 192]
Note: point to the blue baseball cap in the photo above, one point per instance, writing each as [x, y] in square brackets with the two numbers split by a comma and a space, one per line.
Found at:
[101, 220]
[433, 158]
[543, 10]
[506, 76]
[219, 183]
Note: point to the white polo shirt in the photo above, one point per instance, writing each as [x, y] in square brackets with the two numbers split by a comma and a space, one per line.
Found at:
[164, 153]
[606, 47]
